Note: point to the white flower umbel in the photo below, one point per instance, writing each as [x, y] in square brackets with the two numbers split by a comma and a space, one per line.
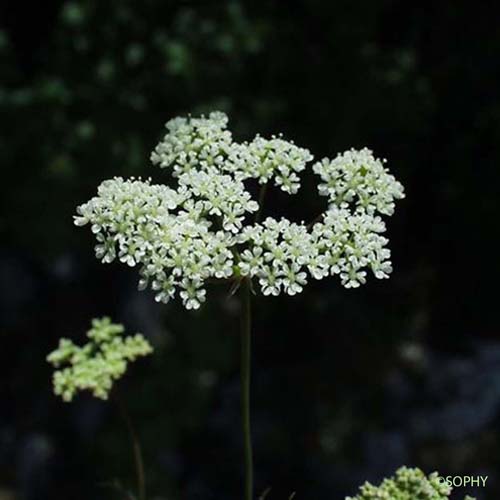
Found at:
[206, 226]
[203, 226]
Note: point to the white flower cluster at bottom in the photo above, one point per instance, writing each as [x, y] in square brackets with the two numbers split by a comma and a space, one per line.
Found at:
[407, 484]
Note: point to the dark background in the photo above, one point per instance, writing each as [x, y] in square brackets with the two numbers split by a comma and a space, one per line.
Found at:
[348, 384]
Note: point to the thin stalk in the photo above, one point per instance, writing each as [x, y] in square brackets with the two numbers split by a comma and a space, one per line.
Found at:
[136, 449]
[246, 319]
[262, 195]
[316, 219]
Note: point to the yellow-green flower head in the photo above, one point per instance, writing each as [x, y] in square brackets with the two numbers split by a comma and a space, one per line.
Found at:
[407, 484]
[203, 225]
[97, 364]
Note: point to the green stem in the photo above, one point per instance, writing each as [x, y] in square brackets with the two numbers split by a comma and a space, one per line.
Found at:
[316, 219]
[136, 448]
[262, 195]
[246, 319]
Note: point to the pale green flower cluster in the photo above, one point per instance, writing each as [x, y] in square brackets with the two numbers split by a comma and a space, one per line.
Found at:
[205, 143]
[194, 143]
[407, 484]
[96, 365]
[275, 158]
[282, 254]
[201, 227]
[219, 195]
[358, 178]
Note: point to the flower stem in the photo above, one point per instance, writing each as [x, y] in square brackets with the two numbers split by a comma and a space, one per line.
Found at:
[246, 319]
[316, 219]
[262, 195]
[136, 448]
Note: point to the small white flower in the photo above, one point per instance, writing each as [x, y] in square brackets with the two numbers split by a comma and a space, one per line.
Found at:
[192, 295]
[251, 261]
[269, 282]
[293, 279]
